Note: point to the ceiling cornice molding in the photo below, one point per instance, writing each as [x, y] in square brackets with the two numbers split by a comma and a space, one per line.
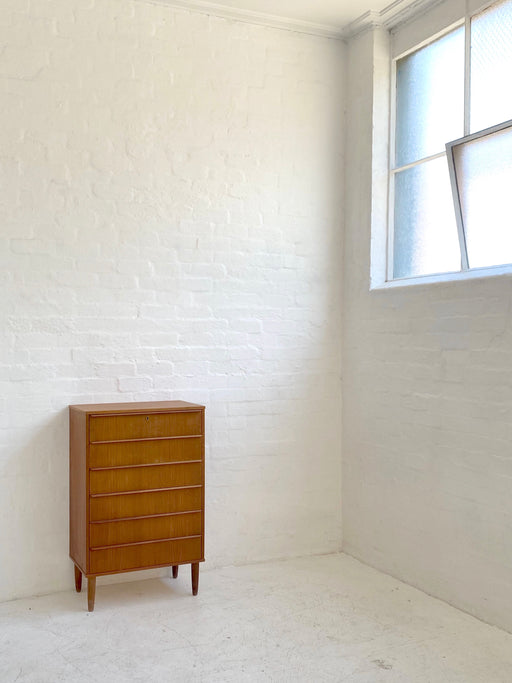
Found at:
[366, 22]
[398, 12]
[250, 17]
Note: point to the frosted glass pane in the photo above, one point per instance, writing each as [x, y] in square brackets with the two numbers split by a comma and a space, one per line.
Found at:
[491, 66]
[425, 235]
[430, 98]
[484, 177]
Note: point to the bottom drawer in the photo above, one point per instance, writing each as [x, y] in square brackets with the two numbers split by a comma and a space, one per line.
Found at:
[145, 555]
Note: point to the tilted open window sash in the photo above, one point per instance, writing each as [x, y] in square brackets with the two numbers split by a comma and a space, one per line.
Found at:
[450, 79]
[480, 167]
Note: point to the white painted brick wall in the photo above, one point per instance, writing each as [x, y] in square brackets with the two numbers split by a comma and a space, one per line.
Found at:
[171, 228]
[427, 426]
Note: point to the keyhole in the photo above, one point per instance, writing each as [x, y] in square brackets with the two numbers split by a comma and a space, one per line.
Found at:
[147, 418]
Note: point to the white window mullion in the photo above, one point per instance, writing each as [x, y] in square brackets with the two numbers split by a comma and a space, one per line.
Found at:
[391, 233]
[467, 77]
[391, 178]
[467, 127]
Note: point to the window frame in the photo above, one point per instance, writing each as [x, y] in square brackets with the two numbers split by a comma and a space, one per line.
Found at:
[472, 8]
[454, 178]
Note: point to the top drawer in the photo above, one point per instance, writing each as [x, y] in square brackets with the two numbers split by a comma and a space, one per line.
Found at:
[144, 426]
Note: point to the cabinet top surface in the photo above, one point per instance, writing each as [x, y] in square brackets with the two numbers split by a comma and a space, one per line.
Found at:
[136, 407]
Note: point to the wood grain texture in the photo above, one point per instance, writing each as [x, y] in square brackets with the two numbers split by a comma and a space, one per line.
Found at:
[142, 504]
[91, 592]
[78, 488]
[175, 449]
[78, 579]
[204, 483]
[141, 407]
[146, 528]
[195, 577]
[145, 555]
[147, 425]
[136, 487]
[153, 477]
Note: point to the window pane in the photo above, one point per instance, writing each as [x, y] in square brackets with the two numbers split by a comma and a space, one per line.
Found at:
[425, 238]
[430, 98]
[484, 179]
[491, 66]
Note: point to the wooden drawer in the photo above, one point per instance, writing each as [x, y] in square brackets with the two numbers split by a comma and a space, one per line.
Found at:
[145, 555]
[139, 452]
[145, 477]
[145, 529]
[144, 426]
[143, 504]
[136, 475]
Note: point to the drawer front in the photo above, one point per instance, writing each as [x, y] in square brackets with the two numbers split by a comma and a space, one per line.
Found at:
[140, 452]
[144, 426]
[147, 477]
[145, 555]
[146, 529]
[141, 504]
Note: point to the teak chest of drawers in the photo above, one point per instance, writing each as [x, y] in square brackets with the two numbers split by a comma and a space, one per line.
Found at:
[136, 476]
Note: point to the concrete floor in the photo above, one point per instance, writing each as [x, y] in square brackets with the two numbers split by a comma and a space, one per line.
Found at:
[312, 619]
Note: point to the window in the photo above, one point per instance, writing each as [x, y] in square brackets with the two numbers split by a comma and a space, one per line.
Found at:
[481, 175]
[454, 87]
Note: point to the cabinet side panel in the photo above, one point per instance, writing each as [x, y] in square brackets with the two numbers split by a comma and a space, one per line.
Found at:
[203, 434]
[78, 488]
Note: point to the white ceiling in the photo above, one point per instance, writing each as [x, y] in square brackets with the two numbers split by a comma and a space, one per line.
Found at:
[333, 13]
[336, 18]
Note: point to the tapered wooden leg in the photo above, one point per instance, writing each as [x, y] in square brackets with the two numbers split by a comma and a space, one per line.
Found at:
[195, 577]
[174, 571]
[78, 579]
[91, 592]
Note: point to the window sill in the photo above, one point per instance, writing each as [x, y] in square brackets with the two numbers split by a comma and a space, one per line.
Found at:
[473, 274]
